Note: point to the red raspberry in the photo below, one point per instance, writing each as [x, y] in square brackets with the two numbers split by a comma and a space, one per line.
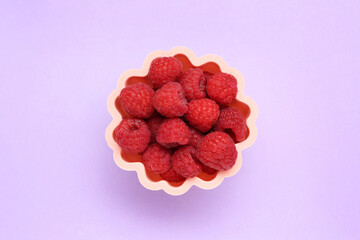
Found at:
[170, 100]
[154, 125]
[202, 114]
[184, 162]
[207, 75]
[195, 137]
[156, 158]
[173, 132]
[232, 121]
[164, 70]
[222, 88]
[136, 100]
[208, 170]
[193, 82]
[133, 135]
[217, 150]
[172, 176]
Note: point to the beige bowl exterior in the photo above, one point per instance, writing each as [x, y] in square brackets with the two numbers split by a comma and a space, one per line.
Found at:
[138, 166]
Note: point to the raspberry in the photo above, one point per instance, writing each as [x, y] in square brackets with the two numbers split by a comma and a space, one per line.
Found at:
[170, 100]
[172, 176]
[222, 88]
[193, 83]
[173, 132]
[202, 114]
[232, 121]
[217, 150]
[207, 75]
[136, 100]
[156, 158]
[133, 135]
[183, 162]
[154, 125]
[164, 70]
[207, 169]
[195, 137]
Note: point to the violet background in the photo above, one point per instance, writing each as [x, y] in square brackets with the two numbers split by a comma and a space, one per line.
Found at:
[59, 60]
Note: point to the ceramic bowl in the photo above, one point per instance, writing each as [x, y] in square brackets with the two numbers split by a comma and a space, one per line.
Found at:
[132, 162]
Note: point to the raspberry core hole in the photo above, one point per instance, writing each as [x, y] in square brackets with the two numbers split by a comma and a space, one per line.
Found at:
[133, 127]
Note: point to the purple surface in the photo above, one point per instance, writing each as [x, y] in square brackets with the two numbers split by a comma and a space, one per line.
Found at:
[59, 61]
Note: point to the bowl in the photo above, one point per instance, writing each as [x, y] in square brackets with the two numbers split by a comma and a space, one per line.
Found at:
[132, 162]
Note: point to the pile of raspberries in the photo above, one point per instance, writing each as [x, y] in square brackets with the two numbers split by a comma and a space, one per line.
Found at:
[181, 124]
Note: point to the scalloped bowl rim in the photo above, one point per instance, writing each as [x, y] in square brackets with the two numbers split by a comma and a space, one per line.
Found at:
[138, 167]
